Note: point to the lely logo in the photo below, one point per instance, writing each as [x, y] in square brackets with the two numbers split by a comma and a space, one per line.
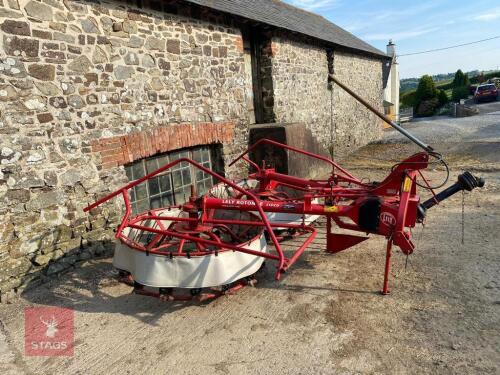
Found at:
[388, 219]
[48, 331]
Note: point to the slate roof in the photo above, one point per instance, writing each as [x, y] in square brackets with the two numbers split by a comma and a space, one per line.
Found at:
[285, 16]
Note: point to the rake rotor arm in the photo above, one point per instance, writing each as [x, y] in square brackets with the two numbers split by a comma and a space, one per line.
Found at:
[297, 150]
[124, 192]
[222, 245]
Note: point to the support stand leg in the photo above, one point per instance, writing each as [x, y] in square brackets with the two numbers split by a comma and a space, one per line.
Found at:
[385, 290]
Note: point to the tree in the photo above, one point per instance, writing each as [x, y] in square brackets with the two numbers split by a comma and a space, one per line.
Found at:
[426, 101]
[408, 99]
[427, 107]
[460, 86]
[480, 78]
[442, 97]
[426, 89]
[460, 92]
[460, 79]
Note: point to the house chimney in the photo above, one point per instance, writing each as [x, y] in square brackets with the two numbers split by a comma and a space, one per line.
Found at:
[391, 49]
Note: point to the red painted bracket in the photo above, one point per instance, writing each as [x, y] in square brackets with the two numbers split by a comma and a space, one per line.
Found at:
[338, 242]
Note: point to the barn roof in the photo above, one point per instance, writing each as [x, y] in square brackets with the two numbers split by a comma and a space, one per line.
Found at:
[285, 16]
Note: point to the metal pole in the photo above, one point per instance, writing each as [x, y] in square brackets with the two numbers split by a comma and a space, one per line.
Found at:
[383, 117]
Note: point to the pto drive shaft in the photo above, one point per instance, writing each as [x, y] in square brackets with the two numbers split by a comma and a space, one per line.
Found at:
[466, 181]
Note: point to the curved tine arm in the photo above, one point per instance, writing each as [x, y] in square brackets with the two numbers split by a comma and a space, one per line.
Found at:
[302, 248]
[128, 211]
[298, 150]
[132, 184]
[257, 168]
[200, 240]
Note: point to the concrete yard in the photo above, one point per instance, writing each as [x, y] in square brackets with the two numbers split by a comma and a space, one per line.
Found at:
[326, 315]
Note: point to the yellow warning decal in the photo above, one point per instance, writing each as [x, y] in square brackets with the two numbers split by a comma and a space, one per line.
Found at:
[332, 209]
[407, 184]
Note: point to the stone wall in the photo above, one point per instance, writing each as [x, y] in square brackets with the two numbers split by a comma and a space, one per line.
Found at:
[296, 89]
[354, 125]
[74, 78]
[300, 91]
[89, 86]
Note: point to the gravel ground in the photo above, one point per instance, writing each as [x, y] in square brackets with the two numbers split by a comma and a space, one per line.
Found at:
[480, 128]
[325, 317]
[466, 143]
[485, 107]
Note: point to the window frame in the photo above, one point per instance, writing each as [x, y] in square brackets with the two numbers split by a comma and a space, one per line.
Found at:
[156, 192]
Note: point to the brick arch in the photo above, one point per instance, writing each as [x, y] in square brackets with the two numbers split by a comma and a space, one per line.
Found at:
[124, 149]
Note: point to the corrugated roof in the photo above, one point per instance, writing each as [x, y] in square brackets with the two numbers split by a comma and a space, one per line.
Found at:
[285, 16]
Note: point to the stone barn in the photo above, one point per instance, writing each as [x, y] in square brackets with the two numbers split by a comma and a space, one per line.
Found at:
[95, 93]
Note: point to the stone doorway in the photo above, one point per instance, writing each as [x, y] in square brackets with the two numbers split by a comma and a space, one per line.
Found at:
[252, 45]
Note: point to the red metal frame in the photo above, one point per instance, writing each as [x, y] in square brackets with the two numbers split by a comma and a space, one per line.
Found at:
[283, 262]
[341, 199]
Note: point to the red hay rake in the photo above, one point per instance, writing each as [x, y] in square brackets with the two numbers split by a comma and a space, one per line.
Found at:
[214, 226]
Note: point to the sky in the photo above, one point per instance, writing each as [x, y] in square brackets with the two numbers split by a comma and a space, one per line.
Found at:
[421, 25]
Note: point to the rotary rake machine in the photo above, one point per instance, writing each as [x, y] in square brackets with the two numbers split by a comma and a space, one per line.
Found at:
[216, 243]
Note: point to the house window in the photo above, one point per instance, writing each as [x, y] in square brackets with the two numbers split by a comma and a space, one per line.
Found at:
[172, 187]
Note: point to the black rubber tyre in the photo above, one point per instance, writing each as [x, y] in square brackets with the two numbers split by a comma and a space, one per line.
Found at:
[195, 291]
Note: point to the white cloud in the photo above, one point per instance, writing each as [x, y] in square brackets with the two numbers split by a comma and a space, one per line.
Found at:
[396, 17]
[405, 12]
[398, 36]
[314, 4]
[488, 16]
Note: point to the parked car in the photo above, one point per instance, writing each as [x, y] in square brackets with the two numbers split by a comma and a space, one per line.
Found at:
[486, 92]
[495, 81]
